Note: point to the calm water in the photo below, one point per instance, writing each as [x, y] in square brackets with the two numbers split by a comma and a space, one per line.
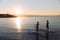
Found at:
[18, 28]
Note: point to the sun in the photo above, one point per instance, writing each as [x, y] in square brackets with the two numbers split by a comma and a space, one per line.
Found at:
[18, 12]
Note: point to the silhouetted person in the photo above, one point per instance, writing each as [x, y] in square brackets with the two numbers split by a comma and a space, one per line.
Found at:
[37, 26]
[37, 31]
[47, 30]
[47, 24]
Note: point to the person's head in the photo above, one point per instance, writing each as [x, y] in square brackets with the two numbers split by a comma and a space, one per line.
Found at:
[37, 22]
[47, 22]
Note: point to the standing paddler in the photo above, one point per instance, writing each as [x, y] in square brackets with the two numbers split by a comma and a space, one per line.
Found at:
[37, 31]
[47, 30]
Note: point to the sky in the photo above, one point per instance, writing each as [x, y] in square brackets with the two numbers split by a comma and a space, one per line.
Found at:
[31, 7]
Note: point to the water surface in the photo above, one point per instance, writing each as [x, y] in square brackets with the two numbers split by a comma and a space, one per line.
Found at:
[17, 28]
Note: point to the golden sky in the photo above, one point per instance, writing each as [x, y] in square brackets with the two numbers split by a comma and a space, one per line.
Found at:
[31, 7]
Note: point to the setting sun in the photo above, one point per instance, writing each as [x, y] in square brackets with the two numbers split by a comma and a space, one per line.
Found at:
[18, 12]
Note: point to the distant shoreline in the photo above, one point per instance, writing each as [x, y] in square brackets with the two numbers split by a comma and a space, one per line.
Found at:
[11, 16]
[29, 16]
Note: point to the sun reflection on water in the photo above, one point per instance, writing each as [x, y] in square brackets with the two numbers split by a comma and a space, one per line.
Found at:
[18, 24]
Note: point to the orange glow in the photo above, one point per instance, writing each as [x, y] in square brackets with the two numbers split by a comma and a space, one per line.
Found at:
[17, 12]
